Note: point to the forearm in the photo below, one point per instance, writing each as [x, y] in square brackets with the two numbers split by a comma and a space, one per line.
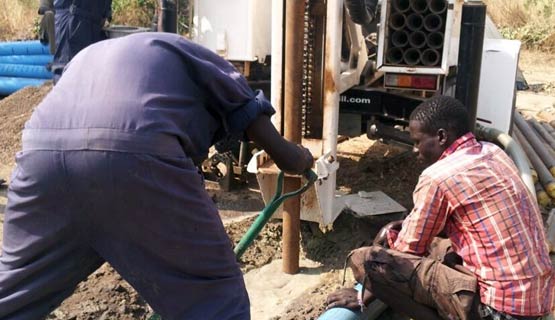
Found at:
[265, 135]
[46, 5]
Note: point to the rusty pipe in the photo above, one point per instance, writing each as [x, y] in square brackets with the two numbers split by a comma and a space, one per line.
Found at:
[433, 22]
[437, 6]
[535, 142]
[401, 5]
[394, 55]
[545, 177]
[397, 21]
[419, 6]
[293, 84]
[412, 56]
[434, 40]
[430, 57]
[417, 39]
[400, 38]
[415, 21]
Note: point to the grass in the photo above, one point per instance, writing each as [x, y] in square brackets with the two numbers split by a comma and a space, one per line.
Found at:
[18, 19]
[531, 21]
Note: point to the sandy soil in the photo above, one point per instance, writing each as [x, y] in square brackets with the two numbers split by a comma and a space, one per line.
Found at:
[365, 165]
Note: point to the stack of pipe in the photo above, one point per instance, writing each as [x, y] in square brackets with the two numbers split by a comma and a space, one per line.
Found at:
[538, 142]
[416, 30]
[22, 64]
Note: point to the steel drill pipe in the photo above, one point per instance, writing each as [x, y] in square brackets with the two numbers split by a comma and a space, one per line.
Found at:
[397, 21]
[401, 5]
[437, 6]
[415, 22]
[412, 56]
[419, 6]
[417, 39]
[549, 128]
[543, 133]
[394, 55]
[167, 18]
[545, 177]
[434, 40]
[471, 44]
[430, 57]
[433, 22]
[292, 129]
[535, 142]
[400, 38]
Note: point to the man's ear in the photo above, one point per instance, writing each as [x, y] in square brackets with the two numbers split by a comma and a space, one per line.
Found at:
[442, 137]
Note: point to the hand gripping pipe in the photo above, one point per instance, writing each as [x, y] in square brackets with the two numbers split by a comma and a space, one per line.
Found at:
[512, 149]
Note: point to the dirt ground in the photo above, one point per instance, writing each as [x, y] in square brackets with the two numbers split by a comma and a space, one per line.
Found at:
[365, 166]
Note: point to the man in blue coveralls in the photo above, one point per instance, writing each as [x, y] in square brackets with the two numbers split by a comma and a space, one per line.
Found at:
[107, 172]
[78, 23]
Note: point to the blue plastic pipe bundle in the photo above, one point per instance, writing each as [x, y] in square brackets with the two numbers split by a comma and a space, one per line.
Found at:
[22, 64]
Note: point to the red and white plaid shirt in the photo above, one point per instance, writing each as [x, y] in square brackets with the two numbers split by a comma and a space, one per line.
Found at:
[474, 194]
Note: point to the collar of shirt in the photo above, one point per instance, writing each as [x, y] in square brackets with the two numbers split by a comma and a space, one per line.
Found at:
[466, 140]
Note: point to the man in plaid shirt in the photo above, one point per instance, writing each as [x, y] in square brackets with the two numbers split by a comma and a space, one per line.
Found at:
[495, 263]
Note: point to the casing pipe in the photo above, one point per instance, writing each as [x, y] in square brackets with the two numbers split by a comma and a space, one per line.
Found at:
[415, 21]
[400, 38]
[437, 6]
[433, 22]
[430, 57]
[412, 56]
[434, 40]
[532, 170]
[419, 6]
[535, 142]
[394, 55]
[417, 39]
[397, 21]
[401, 5]
[543, 133]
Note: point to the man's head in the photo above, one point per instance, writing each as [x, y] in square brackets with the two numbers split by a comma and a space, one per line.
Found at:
[435, 124]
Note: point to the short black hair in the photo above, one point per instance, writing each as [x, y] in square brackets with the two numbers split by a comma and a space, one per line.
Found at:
[442, 112]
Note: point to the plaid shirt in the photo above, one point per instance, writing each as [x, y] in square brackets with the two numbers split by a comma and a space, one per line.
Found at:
[474, 194]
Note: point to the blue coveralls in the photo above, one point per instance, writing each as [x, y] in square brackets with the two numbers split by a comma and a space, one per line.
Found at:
[78, 23]
[107, 173]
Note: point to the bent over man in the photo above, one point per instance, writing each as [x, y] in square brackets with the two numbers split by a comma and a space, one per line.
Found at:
[108, 173]
[494, 263]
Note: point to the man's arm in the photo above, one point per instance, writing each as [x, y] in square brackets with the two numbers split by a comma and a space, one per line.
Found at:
[46, 5]
[288, 157]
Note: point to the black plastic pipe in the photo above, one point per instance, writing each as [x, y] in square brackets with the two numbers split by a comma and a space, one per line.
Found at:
[397, 21]
[395, 55]
[401, 5]
[419, 6]
[417, 39]
[435, 40]
[167, 21]
[433, 22]
[415, 21]
[400, 38]
[412, 56]
[470, 56]
[430, 57]
[437, 6]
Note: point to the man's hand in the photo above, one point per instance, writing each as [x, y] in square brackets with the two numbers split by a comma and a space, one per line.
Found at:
[289, 157]
[343, 298]
[357, 262]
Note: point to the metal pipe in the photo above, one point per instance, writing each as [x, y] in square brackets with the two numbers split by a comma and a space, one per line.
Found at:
[394, 55]
[535, 142]
[400, 38]
[412, 56]
[167, 18]
[430, 57]
[401, 5]
[434, 40]
[397, 21]
[545, 177]
[293, 78]
[437, 6]
[543, 133]
[433, 22]
[549, 128]
[514, 151]
[419, 6]
[415, 21]
[470, 56]
[417, 39]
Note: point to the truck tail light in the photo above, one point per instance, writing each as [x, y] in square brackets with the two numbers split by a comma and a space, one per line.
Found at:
[411, 81]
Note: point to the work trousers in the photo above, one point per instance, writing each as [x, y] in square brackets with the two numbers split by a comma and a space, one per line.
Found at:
[149, 216]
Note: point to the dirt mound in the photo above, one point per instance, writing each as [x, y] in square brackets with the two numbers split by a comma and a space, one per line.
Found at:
[15, 110]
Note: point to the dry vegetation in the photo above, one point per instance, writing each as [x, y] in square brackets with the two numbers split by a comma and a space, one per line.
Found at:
[531, 21]
[17, 19]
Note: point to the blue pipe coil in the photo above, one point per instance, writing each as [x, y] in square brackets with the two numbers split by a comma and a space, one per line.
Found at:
[37, 60]
[24, 71]
[23, 48]
[10, 85]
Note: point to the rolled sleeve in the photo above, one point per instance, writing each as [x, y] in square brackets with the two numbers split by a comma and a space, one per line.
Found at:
[238, 120]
